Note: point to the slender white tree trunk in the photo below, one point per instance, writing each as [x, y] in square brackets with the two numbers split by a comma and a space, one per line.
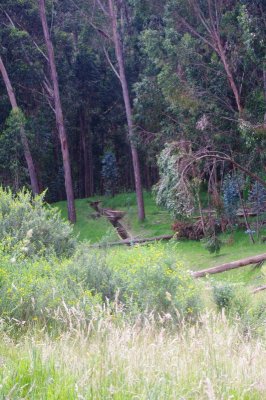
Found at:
[23, 136]
[59, 115]
[123, 81]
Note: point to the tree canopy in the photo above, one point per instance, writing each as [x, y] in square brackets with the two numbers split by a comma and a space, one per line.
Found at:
[132, 76]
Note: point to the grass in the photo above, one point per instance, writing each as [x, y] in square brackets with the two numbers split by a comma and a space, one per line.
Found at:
[195, 256]
[212, 360]
[158, 222]
[60, 340]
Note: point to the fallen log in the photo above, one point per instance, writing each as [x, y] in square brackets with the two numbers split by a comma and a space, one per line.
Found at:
[134, 241]
[228, 266]
[114, 217]
[259, 289]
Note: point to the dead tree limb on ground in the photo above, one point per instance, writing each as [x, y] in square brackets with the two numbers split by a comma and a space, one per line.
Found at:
[228, 266]
[259, 289]
[132, 241]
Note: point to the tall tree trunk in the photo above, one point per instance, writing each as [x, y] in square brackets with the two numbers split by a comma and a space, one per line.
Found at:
[23, 136]
[123, 81]
[87, 157]
[213, 39]
[221, 53]
[59, 115]
[264, 87]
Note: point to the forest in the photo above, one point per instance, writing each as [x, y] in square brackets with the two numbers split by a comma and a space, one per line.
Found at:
[133, 199]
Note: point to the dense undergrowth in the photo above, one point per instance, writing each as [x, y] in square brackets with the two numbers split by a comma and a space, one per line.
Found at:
[120, 323]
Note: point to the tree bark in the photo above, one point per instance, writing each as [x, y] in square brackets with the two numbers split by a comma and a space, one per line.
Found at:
[264, 87]
[213, 40]
[24, 140]
[87, 158]
[131, 242]
[124, 84]
[259, 289]
[59, 115]
[228, 266]
[221, 53]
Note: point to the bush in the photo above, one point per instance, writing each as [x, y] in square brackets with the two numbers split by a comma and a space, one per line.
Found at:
[241, 306]
[154, 281]
[223, 294]
[91, 269]
[32, 225]
[36, 289]
[109, 173]
[142, 280]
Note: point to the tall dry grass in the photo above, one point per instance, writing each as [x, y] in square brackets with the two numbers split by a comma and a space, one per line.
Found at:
[213, 359]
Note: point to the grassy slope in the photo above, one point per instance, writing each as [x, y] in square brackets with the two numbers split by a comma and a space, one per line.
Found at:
[158, 222]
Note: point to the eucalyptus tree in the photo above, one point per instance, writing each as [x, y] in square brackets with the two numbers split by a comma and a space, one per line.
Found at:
[112, 23]
[58, 114]
[20, 117]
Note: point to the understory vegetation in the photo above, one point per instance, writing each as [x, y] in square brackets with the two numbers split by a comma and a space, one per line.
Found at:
[132, 199]
[210, 360]
[120, 322]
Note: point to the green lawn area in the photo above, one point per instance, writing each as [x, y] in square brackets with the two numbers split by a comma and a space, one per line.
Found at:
[158, 222]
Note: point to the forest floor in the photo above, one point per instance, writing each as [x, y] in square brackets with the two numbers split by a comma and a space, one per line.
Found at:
[158, 222]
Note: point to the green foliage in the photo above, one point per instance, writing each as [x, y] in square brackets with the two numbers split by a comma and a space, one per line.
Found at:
[223, 294]
[171, 191]
[231, 188]
[239, 303]
[176, 80]
[33, 290]
[257, 196]
[11, 153]
[212, 243]
[30, 227]
[109, 173]
[155, 281]
[142, 280]
[93, 271]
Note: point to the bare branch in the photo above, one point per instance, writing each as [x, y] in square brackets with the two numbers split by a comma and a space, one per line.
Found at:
[220, 156]
[200, 16]
[10, 19]
[99, 30]
[33, 41]
[195, 33]
[47, 87]
[214, 28]
[259, 289]
[106, 13]
[111, 64]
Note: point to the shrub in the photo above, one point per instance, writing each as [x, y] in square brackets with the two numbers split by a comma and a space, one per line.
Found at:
[173, 191]
[212, 243]
[36, 289]
[223, 294]
[230, 192]
[91, 269]
[36, 227]
[109, 173]
[241, 306]
[143, 279]
[154, 281]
